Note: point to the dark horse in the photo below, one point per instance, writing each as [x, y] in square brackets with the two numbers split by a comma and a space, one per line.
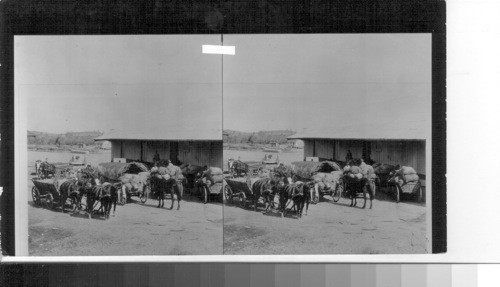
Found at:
[298, 192]
[355, 186]
[239, 168]
[106, 194]
[161, 187]
[73, 189]
[263, 188]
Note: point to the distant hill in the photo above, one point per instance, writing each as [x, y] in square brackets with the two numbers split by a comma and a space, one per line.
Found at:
[70, 138]
[261, 137]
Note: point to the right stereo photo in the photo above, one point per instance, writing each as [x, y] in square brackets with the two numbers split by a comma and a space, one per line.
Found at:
[326, 144]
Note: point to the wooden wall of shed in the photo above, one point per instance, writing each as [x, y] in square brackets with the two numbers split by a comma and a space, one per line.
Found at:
[408, 153]
[201, 153]
[149, 149]
[354, 146]
[308, 148]
[193, 152]
[115, 149]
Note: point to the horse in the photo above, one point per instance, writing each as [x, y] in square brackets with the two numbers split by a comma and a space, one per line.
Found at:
[298, 192]
[160, 186]
[46, 169]
[106, 194]
[263, 188]
[354, 185]
[239, 168]
[73, 189]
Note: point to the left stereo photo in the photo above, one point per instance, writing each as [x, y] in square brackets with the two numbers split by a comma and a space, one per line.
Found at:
[118, 139]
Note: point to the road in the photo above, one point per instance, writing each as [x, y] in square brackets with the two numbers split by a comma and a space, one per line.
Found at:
[137, 229]
[329, 228]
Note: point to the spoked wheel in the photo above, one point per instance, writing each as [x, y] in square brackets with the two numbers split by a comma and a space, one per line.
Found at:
[49, 201]
[144, 195]
[35, 194]
[398, 193]
[228, 193]
[242, 200]
[205, 194]
[374, 188]
[336, 193]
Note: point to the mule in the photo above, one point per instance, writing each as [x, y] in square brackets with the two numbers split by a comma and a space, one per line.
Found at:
[355, 186]
[263, 188]
[73, 189]
[161, 187]
[299, 193]
[106, 194]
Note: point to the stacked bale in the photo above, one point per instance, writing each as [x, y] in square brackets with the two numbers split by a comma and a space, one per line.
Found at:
[327, 180]
[408, 174]
[134, 182]
[306, 169]
[114, 170]
[214, 174]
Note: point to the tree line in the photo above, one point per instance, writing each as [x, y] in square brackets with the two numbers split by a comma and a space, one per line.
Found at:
[70, 138]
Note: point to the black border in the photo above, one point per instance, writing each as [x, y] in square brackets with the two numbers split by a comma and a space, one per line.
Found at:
[49, 17]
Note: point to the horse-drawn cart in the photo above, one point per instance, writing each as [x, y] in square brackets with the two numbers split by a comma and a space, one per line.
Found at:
[239, 188]
[46, 192]
[135, 185]
[326, 183]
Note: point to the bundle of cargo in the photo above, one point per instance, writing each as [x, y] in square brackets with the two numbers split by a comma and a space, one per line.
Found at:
[407, 175]
[134, 181]
[327, 180]
[306, 169]
[407, 182]
[114, 170]
[214, 174]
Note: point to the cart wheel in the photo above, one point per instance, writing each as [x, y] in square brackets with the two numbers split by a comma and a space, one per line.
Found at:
[205, 194]
[242, 200]
[144, 195]
[35, 194]
[398, 193]
[228, 193]
[336, 193]
[49, 201]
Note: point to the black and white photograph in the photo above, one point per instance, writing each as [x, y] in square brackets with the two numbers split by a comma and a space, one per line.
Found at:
[327, 141]
[124, 145]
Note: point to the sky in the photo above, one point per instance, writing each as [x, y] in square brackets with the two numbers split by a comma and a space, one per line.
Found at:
[302, 81]
[103, 83]
[313, 81]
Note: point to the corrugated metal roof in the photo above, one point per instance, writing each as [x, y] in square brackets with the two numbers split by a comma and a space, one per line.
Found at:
[173, 133]
[396, 130]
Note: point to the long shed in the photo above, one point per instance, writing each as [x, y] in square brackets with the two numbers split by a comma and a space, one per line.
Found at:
[188, 145]
[396, 143]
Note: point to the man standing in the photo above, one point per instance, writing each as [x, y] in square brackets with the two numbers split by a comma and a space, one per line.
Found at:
[348, 156]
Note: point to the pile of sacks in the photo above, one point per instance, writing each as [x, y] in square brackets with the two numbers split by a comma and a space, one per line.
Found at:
[134, 182]
[214, 175]
[365, 170]
[407, 174]
[327, 180]
[168, 172]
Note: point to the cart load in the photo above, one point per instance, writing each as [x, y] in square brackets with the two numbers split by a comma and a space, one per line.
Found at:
[307, 169]
[114, 170]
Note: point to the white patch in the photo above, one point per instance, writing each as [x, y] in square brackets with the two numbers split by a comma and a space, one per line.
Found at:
[218, 49]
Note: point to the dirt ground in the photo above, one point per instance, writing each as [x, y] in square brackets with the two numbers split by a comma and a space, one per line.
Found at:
[137, 229]
[328, 228]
